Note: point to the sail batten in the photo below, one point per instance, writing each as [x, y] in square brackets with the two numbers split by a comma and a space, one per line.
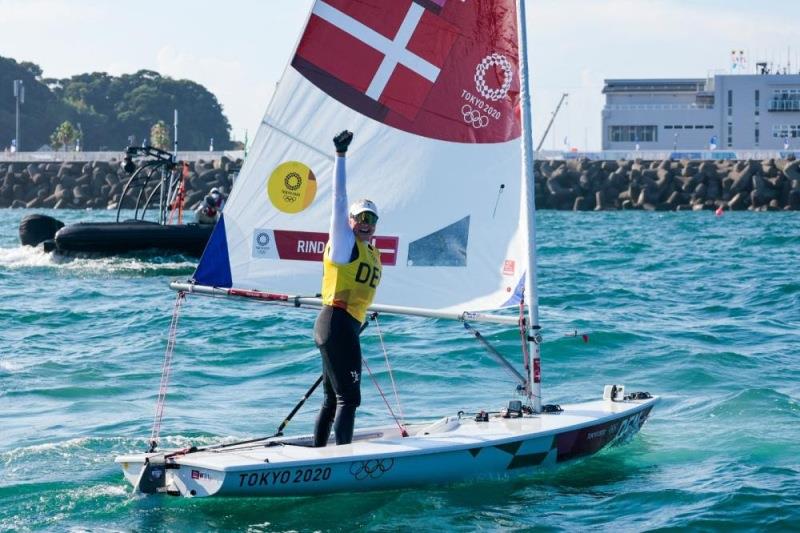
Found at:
[431, 90]
[296, 139]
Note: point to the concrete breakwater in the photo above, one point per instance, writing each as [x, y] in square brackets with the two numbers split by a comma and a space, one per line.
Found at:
[581, 185]
[578, 184]
[98, 184]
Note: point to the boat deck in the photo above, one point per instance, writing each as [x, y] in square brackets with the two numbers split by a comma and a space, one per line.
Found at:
[450, 433]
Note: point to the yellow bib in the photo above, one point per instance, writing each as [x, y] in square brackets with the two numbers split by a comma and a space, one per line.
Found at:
[351, 286]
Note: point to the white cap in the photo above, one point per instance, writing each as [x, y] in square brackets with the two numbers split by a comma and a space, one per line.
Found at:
[359, 206]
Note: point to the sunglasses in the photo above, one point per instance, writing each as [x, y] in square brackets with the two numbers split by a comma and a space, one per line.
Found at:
[366, 217]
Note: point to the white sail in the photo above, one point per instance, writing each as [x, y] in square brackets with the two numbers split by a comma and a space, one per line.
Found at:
[431, 90]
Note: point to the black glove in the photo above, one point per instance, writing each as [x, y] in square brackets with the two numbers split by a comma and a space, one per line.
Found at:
[342, 141]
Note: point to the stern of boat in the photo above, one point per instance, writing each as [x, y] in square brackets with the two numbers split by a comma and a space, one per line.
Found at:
[153, 473]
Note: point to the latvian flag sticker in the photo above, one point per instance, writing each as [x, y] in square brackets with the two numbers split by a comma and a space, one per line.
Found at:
[443, 69]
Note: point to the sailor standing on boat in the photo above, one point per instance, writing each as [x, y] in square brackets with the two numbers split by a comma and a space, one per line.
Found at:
[351, 273]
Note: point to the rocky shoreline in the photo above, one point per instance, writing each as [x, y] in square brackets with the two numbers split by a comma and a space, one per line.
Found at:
[583, 185]
[579, 185]
[98, 184]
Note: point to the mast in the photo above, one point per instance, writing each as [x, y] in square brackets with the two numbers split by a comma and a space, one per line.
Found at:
[531, 292]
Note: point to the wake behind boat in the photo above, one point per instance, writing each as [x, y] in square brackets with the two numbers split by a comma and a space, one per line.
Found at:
[437, 93]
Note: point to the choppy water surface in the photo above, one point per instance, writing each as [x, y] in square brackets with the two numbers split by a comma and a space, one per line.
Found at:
[702, 310]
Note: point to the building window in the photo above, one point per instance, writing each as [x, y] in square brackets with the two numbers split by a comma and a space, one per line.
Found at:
[758, 135]
[730, 134]
[780, 131]
[785, 100]
[730, 102]
[633, 133]
[758, 102]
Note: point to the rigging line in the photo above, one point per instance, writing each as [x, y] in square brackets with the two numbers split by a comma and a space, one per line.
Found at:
[403, 431]
[165, 371]
[285, 133]
[389, 368]
[279, 432]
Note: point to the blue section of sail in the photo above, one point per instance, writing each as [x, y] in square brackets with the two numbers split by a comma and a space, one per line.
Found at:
[214, 269]
[517, 296]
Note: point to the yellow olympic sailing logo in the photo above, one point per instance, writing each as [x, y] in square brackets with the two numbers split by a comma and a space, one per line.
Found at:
[291, 187]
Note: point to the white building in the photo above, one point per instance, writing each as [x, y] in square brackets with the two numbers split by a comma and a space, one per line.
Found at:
[744, 112]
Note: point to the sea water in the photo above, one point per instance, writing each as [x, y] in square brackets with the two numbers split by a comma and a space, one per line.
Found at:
[701, 310]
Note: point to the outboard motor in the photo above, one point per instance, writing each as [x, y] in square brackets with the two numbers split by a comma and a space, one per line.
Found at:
[35, 229]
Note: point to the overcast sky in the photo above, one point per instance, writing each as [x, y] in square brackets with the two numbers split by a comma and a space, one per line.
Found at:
[239, 48]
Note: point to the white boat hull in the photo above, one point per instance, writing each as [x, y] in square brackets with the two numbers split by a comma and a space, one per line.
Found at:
[449, 450]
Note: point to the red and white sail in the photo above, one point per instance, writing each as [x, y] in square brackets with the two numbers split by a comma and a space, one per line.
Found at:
[431, 90]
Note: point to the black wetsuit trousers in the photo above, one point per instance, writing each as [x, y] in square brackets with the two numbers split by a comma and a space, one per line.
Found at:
[336, 334]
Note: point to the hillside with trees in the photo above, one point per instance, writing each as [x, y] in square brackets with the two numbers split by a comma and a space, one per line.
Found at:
[104, 112]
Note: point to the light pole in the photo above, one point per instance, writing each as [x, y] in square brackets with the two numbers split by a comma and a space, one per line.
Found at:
[19, 94]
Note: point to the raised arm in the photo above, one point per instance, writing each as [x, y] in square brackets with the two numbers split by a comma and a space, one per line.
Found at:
[342, 238]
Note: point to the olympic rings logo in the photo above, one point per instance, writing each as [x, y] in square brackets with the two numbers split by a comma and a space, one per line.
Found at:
[473, 117]
[374, 468]
[480, 77]
[293, 181]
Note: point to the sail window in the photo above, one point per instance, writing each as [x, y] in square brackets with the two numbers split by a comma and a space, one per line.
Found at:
[445, 247]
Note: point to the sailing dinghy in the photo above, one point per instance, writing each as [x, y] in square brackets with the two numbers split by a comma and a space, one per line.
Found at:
[437, 94]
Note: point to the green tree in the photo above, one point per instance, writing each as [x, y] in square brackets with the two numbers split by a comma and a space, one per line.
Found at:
[64, 136]
[159, 136]
[41, 113]
[109, 108]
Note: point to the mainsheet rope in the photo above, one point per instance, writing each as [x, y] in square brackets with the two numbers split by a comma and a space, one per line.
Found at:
[166, 368]
[397, 421]
[389, 368]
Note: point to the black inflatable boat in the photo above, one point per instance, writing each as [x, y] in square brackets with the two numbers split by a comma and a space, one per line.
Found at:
[159, 183]
[132, 236]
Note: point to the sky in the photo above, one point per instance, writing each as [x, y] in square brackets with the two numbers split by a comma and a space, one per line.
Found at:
[238, 48]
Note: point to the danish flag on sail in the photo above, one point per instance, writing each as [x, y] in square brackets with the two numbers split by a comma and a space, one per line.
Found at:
[391, 64]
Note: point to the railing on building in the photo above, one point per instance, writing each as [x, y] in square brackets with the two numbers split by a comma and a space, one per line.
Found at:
[657, 107]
